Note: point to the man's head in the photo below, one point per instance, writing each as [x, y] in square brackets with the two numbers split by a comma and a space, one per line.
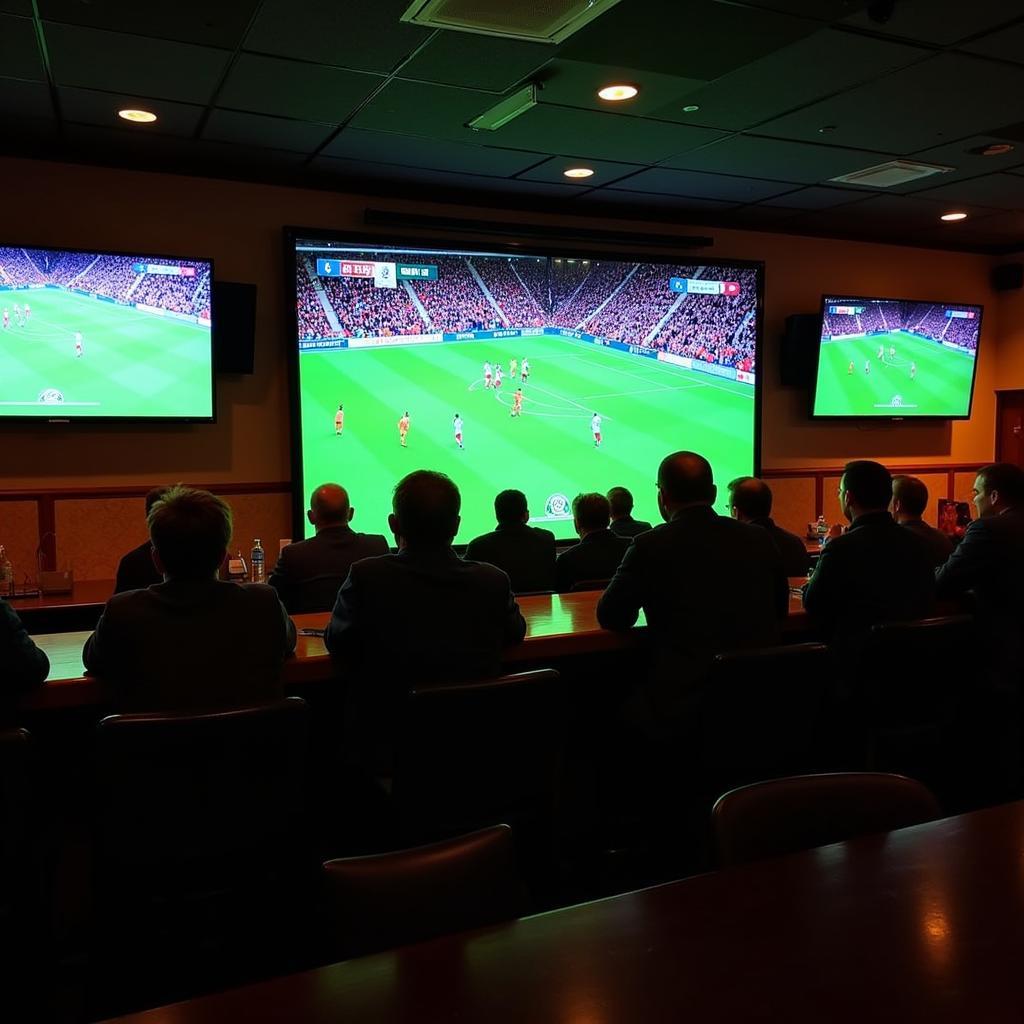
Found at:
[426, 509]
[864, 487]
[749, 498]
[510, 507]
[190, 531]
[909, 498]
[620, 502]
[153, 497]
[998, 487]
[684, 479]
[329, 506]
[590, 513]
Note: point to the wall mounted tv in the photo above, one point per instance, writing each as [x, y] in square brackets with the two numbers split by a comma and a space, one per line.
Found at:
[104, 336]
[599, 367]
[896, 358]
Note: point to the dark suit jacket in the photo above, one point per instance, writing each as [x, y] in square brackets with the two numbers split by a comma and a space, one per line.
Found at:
[411, 617]
[940, 547]
[596, 557]
[706, 584]
[989, 562]
[136, 570]
[875, 572]
[22, 664]
[309, 572]
[525, 553]
[795, 559]
[186, 645]
[628, 526]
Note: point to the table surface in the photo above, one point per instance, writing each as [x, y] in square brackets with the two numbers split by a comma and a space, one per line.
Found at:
[922, 924]
[84, 594]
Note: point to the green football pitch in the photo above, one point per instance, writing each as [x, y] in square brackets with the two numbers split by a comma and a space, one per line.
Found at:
[132, 363]
[941, 385]
[648, 409]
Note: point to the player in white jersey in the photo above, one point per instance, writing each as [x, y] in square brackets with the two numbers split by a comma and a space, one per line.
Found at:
[7, 317]
[525, 369]
[512, 367]
[867, 366]
[487, 375]
[17, 314]
[28, 312]
[78, 344]
[497, 376]
[913, 370]
[881, 352]
[595, 427]
[892, 352]
[457, 429]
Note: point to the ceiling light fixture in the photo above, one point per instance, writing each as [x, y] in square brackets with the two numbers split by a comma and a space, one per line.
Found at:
[504, 111]
[691, 108]
[954, 216]
[579, 172]
[137, 116]
[616, 93]
[997, 149]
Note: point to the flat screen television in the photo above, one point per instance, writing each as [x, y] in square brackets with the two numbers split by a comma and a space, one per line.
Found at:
[896, 358]
[104, 336]
[598, 368]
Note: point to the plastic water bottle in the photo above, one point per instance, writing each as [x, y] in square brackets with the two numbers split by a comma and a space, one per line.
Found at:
[821, 529]
[257, 563]
[6, 574]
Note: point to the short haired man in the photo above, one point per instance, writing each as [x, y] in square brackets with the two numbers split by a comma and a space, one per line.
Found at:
[620, 503]
[136, 570]
[706, 584]
[599, 551]
[989, 562]
[750, 501]
[192, 642]
[526, 553]
[421, 614]
[909, 500]
[874, 572]
[22, 664]
[309, 572]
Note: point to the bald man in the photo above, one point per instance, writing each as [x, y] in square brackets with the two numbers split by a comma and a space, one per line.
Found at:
[309, 573]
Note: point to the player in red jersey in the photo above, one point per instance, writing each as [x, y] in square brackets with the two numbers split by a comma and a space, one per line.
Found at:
[497, 376]
[403, 427]
[7, 317]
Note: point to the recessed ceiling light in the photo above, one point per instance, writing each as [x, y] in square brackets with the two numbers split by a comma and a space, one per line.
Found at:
[826, 129]
[997, 149]
[137, 116]
[578, 172]
[954, 216]
[691, 108]
[614, 93]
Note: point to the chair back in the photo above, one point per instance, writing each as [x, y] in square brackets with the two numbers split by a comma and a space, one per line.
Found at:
[763, 714]
[479, 753]
[394, 899]
[18, 841]
[768, 819]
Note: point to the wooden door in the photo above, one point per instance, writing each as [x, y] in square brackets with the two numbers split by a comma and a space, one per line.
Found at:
[1010, 427]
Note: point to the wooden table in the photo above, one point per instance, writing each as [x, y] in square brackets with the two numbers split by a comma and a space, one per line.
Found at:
[558, 626]
[924, 924]
[52, 613]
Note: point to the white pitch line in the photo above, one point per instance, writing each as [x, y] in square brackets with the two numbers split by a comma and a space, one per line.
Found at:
[648, 391]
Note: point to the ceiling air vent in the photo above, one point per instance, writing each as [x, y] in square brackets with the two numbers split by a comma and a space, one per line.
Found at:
[895, 172]
[543, 21]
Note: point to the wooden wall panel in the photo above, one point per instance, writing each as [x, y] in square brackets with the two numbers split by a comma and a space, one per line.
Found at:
[830, 500]
[93, 534]
[793, 503]
[937, 484]
[267, 516]
[963, 483]
[19, 535]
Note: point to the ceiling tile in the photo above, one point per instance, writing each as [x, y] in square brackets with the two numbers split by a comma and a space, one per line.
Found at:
[19, 49]
[823, 10]
[649, 200]
[826, 63]
[941, 22]
[965, 164]
[571, 132]
[703, 186]
[257, 130]
[24, 99]
[330, 32]
[476, 62]
[707, 40]
[389, 148]
[1004, 191]
[816, 198]
[94, 59]
[288, 88]
[100, 108]
[774, 158]
[888, 214]
[218, 23]
[604, 171]
[435, 111]
[1007, 44]
[941, 98]
[17, 7]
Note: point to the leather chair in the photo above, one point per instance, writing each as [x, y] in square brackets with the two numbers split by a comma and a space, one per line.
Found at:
[394, 899]
[768, 819]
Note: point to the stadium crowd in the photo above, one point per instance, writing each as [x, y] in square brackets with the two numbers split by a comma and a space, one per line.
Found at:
[924, 319]
[518, 305]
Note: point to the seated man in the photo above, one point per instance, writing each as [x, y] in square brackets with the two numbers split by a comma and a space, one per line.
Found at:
[525, 553]
[599, 551]
[22, 664]
[309, 572]
[706, 584]
[623, 523]
[989, 562]
[874, 572]
[136, 570]
[750, 501]
[420, 614]
[193, 642]
[909, 500]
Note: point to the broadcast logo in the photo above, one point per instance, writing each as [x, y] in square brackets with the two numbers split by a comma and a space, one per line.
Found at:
[50, 396]
[557, 507]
